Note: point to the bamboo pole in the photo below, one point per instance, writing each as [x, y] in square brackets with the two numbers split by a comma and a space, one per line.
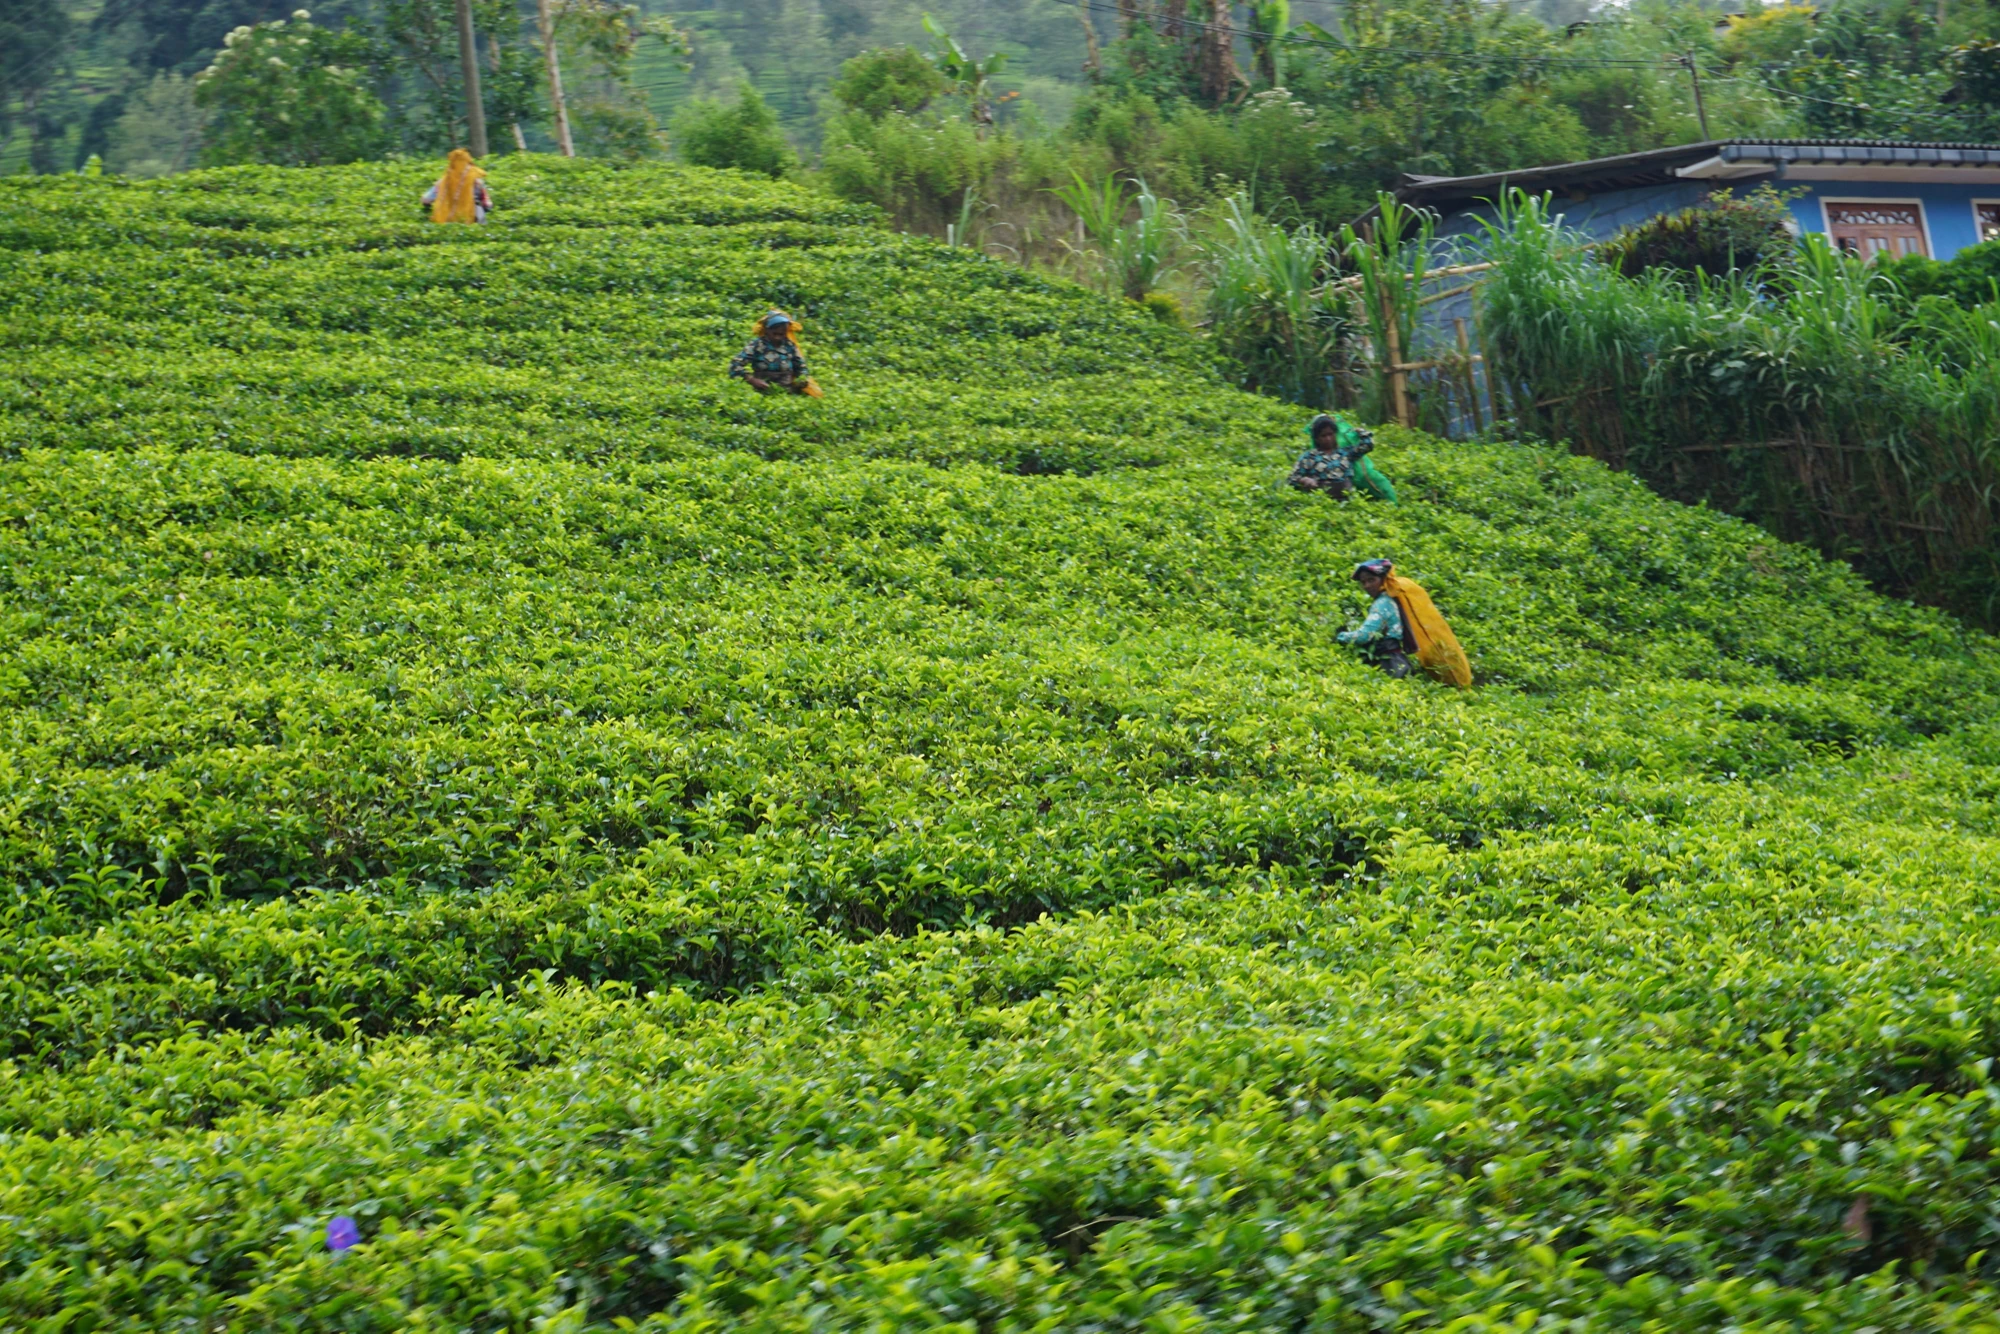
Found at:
[1471, 384]
[1493, 413]
[1393, 345]
[1354, 280]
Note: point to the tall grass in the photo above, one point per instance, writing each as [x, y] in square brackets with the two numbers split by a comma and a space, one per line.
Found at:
[1804, 396]
[1391, 266]
[1269, 309]
[1131, 256]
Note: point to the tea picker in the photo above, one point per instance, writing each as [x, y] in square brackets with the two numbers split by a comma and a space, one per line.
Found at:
[1337, 462]
[1403, 622]
[460, 195]
[772, 360]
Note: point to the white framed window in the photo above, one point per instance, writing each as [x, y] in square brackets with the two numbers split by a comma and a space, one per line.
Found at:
[1875, 228]
[1986, 218]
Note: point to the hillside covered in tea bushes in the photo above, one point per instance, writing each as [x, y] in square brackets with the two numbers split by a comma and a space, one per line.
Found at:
[661, 858]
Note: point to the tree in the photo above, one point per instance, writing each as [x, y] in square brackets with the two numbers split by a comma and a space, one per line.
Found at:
[876, 83]
[292, 94]
[418, 55]
[158, 132]
[1270, 20]
[743, 134]
[35, 40]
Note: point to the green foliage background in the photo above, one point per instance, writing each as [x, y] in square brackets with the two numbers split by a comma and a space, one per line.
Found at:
[665, 858]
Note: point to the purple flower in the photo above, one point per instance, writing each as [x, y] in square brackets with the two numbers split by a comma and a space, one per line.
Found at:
[341, 1233]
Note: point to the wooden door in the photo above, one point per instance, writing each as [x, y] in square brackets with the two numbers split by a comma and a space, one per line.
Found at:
[1989, 222]
[1872, 229]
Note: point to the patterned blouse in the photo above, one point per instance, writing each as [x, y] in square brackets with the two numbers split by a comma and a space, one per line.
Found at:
[769, 361]
[1384, 624]
[1336, 464]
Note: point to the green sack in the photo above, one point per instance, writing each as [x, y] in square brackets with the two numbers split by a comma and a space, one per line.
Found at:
[1370, 479]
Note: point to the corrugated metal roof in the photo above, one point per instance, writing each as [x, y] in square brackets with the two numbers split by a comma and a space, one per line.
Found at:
[1658, 165]
[1854, 143]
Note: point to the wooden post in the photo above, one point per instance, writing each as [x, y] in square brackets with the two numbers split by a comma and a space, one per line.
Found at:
[545, 21]
[468, 63]
[1492, 382]
[1471, 380]
[1399, 396]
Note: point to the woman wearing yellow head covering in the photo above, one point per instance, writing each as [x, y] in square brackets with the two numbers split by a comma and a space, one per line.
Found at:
[460, 195]
[772, 360]
[1403, 620]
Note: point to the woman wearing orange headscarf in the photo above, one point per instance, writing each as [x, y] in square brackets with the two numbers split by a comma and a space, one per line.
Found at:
[772, 362]
[460, 195]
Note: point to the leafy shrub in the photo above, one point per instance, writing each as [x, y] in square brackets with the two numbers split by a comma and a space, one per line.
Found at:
[916, 858]
[1716, 238]
[742, 134]
[1270, 311]
[1971, 278]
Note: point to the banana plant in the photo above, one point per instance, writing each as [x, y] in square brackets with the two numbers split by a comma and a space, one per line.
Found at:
[969, 78]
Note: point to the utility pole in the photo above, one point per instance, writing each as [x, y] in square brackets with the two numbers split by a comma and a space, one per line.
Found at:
[1700, 111]
[468, 61]
[546, 22]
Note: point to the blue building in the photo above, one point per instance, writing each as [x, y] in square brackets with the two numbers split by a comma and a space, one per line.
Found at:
[1866, 196]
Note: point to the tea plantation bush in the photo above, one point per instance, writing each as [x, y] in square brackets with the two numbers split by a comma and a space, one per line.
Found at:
[662, 858]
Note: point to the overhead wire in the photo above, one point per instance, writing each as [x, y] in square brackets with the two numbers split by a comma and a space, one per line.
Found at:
[1787, 92]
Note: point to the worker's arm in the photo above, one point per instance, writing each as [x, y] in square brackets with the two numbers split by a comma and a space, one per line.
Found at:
[1374, 627]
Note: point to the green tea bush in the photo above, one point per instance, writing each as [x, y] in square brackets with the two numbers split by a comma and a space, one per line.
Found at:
[659, 857]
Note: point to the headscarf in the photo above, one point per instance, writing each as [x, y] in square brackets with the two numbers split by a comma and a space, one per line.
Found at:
[457, 191]
[1312, 431]
[1438, 652]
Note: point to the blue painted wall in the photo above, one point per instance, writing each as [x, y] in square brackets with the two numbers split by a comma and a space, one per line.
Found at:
[1947, 208]
[1599, 215]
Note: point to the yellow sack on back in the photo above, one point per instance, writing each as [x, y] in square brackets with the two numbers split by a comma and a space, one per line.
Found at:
[458, 190]
[1437, 647]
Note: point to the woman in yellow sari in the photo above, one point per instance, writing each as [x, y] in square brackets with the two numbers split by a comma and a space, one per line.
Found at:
[460, 195]
[1403, 622]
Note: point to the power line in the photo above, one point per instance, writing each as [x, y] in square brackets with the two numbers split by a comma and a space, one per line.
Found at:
[1787, 92]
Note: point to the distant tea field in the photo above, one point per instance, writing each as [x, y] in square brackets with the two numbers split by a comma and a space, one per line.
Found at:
[661, 858]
